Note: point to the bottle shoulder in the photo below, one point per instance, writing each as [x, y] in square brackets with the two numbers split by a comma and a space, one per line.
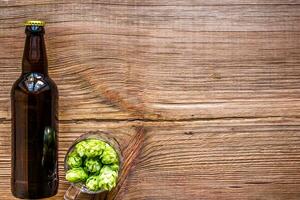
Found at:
[51, 83]
[34, 83]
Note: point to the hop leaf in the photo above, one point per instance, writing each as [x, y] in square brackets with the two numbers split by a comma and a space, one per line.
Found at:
[90, 148]
[107, 178]
[109, 155]
[92, 183]
[74, 160]
[114, 167]
[92, 165]
[94, 148]
[76, 175]
[81, 148]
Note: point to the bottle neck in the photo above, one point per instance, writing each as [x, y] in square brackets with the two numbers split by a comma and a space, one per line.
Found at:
[34, 56]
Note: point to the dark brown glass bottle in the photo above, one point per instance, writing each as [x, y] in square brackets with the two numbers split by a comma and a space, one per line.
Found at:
[34, 100]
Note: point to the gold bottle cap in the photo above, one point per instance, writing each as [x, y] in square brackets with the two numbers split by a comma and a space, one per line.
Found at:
[34, 23]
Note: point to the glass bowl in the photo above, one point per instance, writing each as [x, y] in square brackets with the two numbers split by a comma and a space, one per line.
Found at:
[76, 188]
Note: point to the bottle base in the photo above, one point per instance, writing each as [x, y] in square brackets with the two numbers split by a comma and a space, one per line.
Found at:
[23, 190]
[22, 196]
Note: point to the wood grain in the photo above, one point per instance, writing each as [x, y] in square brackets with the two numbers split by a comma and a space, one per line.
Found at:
[19, 3]
[203, 96]
[226, 159]
[129, 64]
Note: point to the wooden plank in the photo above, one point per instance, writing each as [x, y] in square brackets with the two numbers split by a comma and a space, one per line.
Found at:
[125, 64]
[153, 2]
[282, 17]
[163, 74]
[226, 159]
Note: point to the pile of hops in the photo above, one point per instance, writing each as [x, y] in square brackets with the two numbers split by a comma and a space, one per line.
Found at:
[93, 163]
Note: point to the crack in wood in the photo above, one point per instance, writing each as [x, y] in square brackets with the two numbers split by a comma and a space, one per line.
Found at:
[140, 120]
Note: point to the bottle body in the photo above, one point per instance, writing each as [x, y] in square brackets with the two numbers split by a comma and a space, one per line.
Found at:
[34, 103]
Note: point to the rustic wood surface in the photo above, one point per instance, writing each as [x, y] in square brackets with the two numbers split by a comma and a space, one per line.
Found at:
[203, 96]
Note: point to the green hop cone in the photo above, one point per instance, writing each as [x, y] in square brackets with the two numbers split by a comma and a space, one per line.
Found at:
[92, 165]
[107, 178]
[114, 167]
[74, 160]
[109, 155]
[94, 148]
[81, 148]
[92, 183]
[76, 175]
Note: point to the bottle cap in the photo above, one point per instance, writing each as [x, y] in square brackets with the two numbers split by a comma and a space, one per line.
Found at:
[34, 23]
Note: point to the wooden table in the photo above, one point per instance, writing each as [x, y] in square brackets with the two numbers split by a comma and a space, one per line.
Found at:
[204, 96]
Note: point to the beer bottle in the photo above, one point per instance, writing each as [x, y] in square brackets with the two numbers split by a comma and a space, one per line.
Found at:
[34, 103]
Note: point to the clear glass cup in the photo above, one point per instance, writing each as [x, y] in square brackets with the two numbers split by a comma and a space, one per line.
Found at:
[76, 188]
